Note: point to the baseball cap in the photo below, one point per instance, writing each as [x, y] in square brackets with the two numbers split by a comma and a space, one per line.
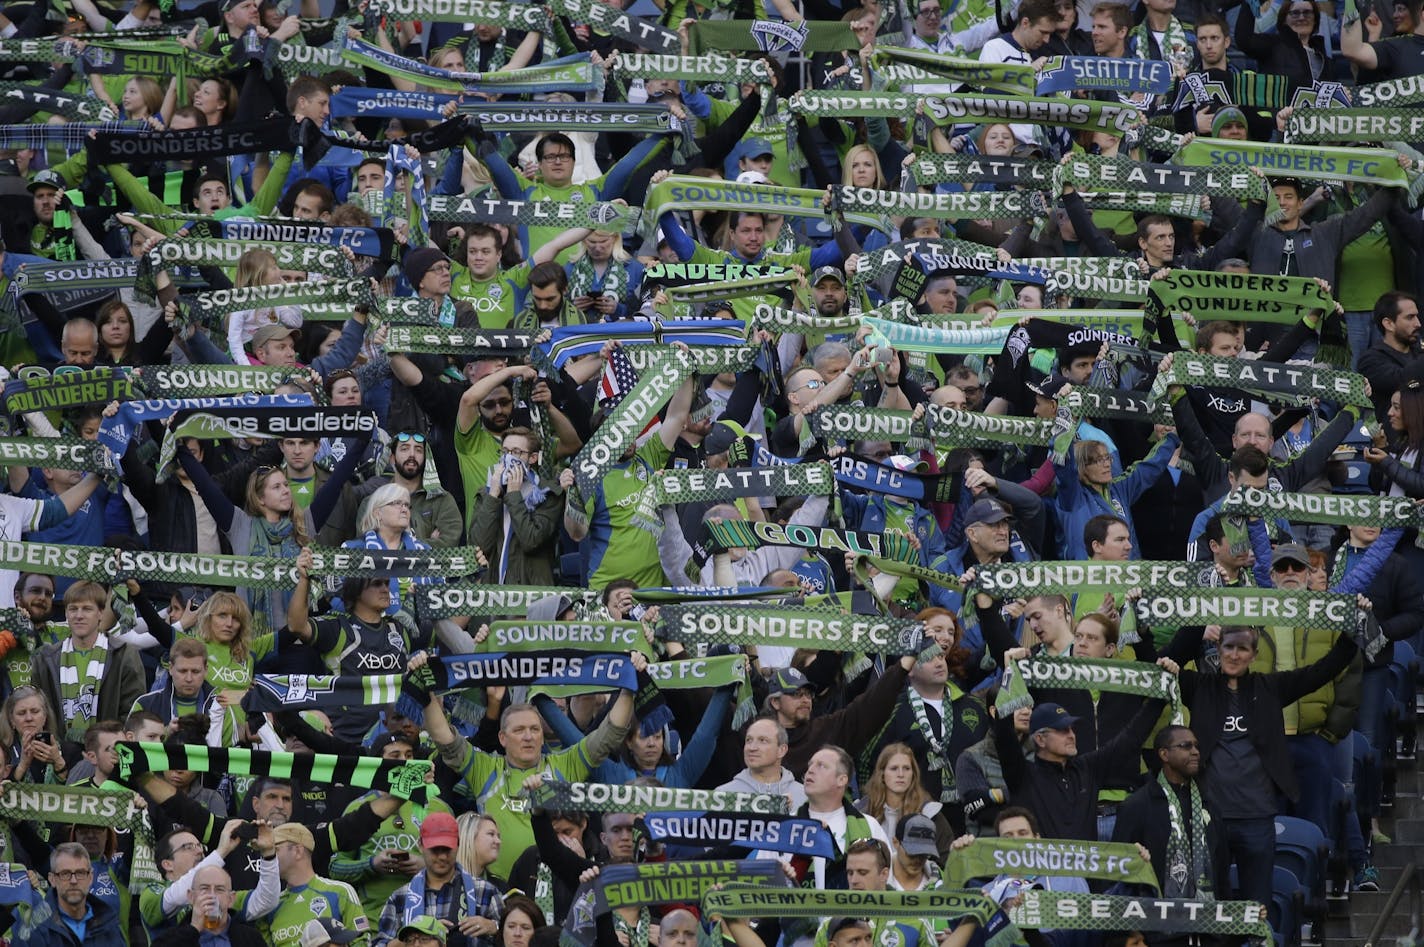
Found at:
[722, 436]
[756, 147]
[1231, 115]
[294, 832]
[425, 924]
[752, 177]
[910, 464]
[1050, 717]
[321, 931]
[987, 511]
[1290, 552]
[1050, 386]
[439, 830]
[788, 681]
[269, 332]
[916, 836]
[45, 178]
[833, 272]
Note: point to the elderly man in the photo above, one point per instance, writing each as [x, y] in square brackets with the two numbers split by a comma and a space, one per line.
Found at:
[211, 923]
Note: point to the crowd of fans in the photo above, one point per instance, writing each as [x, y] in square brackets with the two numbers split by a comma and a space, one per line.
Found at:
[903, 759]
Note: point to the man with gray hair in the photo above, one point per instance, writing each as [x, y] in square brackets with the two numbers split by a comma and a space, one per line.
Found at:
[76, 917]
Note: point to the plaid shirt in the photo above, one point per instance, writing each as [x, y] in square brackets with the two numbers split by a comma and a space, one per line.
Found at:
[442, 904]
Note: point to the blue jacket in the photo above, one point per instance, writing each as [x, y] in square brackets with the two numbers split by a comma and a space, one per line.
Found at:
[866, 512]
[952, 563]
[102, 930]
[1077, 504]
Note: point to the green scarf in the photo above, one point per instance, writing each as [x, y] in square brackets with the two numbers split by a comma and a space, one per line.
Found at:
[1101, 173]
[1337, 509]
[921, 339]
[440, 340]
[620, 429]
[1392, 93]
[1175, 48]
[583, 277]
[1377, 126]
[477, 209]
[612, 637]
[346, 294]
[798, 627]
[1252, 297]
[1187, 851]
[454, 600]
[954, 206]
[63, 453]
[1094, 674]
[1364, 165]
[1298, 384]
[1004, 77]
[35, 802]
[1117, 862]
[982, 169]
[705, 68]
[205, 381]
[81, 674]
[683, 192]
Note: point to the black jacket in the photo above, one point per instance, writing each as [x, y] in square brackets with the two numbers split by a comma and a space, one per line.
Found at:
[186, 935]
[1277, 54]
[1262, 697]
[1144, 817]
[1385, 368]
[1398, 598]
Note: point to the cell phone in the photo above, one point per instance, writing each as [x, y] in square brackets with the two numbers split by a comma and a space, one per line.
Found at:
[400, 856]
[44, 736]
[247, 831]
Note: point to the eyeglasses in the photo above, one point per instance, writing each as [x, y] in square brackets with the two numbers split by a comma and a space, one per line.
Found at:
[519, 452]
[404, 436]
[809, 386]
[558, 156]
[1101, 458]
[1184, 745]
[190, 847]
[970, 389]
[932, 11]
[73, 876]
[1290, 565]
[404, 503]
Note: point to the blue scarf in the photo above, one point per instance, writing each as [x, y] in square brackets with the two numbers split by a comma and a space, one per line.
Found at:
[414, 906]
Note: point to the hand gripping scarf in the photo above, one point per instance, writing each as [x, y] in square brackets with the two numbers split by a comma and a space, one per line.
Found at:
[1295, 384]
[1364, 165]
[1249, 297]
[402, 779]
[1337, 509]
[34, 802]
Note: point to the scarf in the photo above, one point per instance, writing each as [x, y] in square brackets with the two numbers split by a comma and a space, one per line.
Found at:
[64, 389]
[81, 675]
[85, 805]
[1187, 853]
[596, 215]
[1338, 509]
[272, 541]
[414, 905]
[638, 407]
[1062, 910]
[64, 453]
[1408, 90]
[805, 837]
[1293, 384]
[1364, 165]
[745, 534]
[1117, 862]
[452, 600]
[531, 494]
[781, 627]
[1377, 126]
[595, 637]
[936, 746]
[584, 278]
[1252, 297]
[991, 76]
[1175, 48]
[1095, 73]
[558, 796]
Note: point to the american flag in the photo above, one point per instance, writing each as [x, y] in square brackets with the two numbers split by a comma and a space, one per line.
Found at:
[618, 379]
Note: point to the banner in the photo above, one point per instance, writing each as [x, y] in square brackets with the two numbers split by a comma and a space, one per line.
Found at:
[1334, 508]
[555, 796]
[1294, 383]
[1309, 162]
[1125, 76]
[745, 534]
[805, 837]
[1117, 862]
[1374, 125]
[404, 779]
[67, 389]
[788, 627]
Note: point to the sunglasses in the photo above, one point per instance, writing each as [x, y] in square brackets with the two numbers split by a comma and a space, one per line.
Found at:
[404, 436]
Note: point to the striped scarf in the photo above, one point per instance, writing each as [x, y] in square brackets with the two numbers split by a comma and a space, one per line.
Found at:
[81, 673]
[583, 277]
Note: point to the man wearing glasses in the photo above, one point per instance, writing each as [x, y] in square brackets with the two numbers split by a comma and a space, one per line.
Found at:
[556, 181]
[77, 917]
[180, 856]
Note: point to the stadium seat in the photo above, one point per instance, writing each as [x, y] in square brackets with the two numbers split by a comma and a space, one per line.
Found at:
[1302, 850]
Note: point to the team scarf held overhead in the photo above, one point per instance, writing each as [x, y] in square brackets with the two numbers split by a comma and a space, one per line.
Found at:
[596, 215]
[72, 107]
[195, 251]
[683, 192]
[67, 276]
[742, 901]
[1295, 384]
[1001, 77]
[364, 241]
[863, 473]
[62, 453]
[440, 340]
[907, 338]
[1377, 126]
[556, 796]
[1336, 509]
[404, 779]
[1393, 93]
[745, 534]
[788, 627]
[1097, 173]
[1061, 910]
[1117, 405]
[691, 68]
[211, 307]
[953, 206]
[1117, 862]
[643, 34]
[640, 405]
[805, 837]
[230, 138]
[716, 486]
[982, 169]
[1309, 162]
[65, 389]
[512, 669]
[569, 74]
[117, 431]
[275, 693]
[671, 882]
[85, 805]
[276, 423]
[514, 16]
[648, 119]
[1101, 74]
[454, 600]
[568, 342]
[1249, 297]
[1114, 676]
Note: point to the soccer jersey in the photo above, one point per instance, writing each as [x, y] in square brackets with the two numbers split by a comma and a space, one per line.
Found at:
[621, 549]
[317, 899]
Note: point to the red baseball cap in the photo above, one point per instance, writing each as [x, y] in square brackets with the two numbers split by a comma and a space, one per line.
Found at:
[439, 830]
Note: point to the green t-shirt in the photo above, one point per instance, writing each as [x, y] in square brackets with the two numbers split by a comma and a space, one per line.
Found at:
[499, 790]
[495, 298]
[303, 491]
[628, 551]
[1366, 270]
[538, 236]
[319, 898]
[478, 451]
[400, 832]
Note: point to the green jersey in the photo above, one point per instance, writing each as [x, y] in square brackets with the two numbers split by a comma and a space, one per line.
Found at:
[478, 451]
[621, 548]
[317, 899]
[538, 236]
[495, 299]
[498, 788]
[401, 833]
[745, 307]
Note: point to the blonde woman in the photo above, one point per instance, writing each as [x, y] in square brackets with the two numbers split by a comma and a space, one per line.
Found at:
[257, 268]
[479, 843]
